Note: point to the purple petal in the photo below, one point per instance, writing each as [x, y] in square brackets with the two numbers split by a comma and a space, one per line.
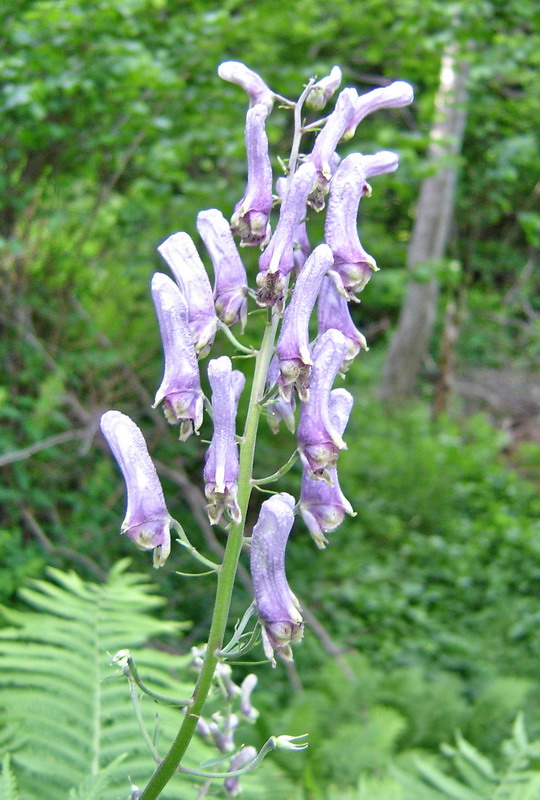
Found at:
[251, 215]
[277, 409]
[230, 288]
[395, 95]
[190, 274]
[277, 606]
[249, 81]
[180, 388]
[333, 312]
[244, 757]
[147, 520]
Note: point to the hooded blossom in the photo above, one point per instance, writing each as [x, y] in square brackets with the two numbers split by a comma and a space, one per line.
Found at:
[221, 467]
[190, 274]
[251, 215]
[319, 442]
[333, 312]
[322, 506]
[278, 608]
[252, 83]
[180, 389]
[230, 287]
[147, 521]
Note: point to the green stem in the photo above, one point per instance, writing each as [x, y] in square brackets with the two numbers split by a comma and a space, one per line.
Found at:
[226, 574]
[279, 474]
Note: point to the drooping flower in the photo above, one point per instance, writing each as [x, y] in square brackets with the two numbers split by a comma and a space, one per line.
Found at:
[352, 264]
[319, 442]
[251, 215]
[301, 245]
[180, 388]
[322, 91]
[147, 521]
[333, 312]
[277, 260]
[190, 274]
[396, 95]
[278, 608]
[244, 757]
[257, 90]
[293, 343]
[230, 287]
[278, 409]
[246, 706]
[322, 155]
[221, 467]
[322, 506]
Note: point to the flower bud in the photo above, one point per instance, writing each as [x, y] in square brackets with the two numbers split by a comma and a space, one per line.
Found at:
[230, 288]
[221, 467]
[180, 388]
[251, 215]
[190, 274]
[147, 521]
[246, 707]
[278, 608]
[322, 91]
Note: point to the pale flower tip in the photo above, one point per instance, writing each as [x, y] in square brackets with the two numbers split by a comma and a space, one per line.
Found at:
[285, 742]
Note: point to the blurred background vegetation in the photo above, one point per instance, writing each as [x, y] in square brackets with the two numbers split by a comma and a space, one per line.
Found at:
[424, 610]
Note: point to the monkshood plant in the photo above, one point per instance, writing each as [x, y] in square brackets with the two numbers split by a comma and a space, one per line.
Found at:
[293, 378]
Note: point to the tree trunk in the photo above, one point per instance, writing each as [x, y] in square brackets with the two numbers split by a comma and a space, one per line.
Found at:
[430, 235]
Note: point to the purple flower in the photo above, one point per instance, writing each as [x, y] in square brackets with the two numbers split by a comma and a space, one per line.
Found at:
[246, 706]
[279, 410]
[333, 312]
[322, 91]
[180, 388]
[395, 95]
[326, 142]
[221, 467]
[301, 245]
[319, 442]
[251, 215]
[230, 287]
[182, 257]
[277, 606]
[380, 163]
[322, 506]
[278, 259]
[293, 343]
[352, 265]
[253, 84]
[244, 757]
[147, 520]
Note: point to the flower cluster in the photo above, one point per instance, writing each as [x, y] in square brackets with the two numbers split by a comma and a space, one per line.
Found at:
[301, 371]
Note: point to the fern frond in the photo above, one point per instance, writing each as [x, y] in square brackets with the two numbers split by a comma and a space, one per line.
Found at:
[8, 784]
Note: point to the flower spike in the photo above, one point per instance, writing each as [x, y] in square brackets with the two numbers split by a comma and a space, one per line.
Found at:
[221, 467]
[319, 442]
[251, 215]
[278, 608]
[147, 521]
[257, 90]
[322, 506]
[180, 388]
[230, 288]
[293, 343]
[190, 274]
